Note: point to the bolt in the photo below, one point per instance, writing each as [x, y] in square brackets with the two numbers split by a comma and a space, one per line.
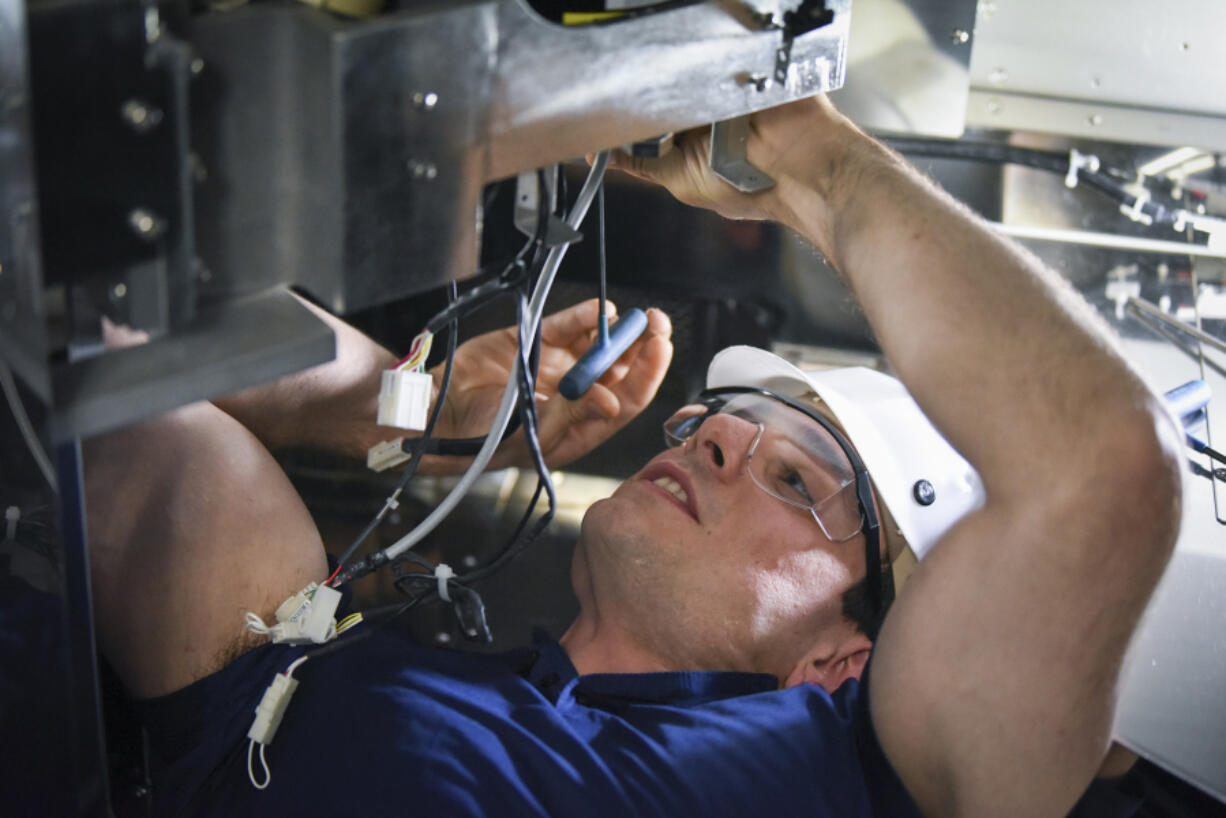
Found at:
[146, 224]
[197, 66]
[119, 291]
[1094, 120]
[425, 100]
[422, 170]
[141, 116]
[442, 637]
[960, 36]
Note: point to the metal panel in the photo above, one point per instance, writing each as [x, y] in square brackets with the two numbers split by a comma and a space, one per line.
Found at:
[243, 343]
[348, 157]
[1109, 70]
[908, 66]
[22, 341]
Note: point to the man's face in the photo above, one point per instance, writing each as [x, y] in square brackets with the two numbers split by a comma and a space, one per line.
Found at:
[695, 562]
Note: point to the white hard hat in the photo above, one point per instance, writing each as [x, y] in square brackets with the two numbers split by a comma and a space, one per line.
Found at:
[926, 485]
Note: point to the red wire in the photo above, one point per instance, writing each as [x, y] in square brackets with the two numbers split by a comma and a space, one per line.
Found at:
[328, 581]
[409, 357]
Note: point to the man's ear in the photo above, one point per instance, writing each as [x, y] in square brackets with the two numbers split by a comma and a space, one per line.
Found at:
[829, 666]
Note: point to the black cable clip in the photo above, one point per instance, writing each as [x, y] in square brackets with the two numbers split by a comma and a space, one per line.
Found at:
[808, 16]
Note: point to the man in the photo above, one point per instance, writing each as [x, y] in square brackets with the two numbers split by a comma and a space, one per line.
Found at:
[992, 679]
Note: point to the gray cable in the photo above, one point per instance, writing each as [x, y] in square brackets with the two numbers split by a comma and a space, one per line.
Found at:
[23, 423]
[533, 317]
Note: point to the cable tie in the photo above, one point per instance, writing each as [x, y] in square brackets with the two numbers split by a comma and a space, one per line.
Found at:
[442, 573]
[11, 515]
[391, 504]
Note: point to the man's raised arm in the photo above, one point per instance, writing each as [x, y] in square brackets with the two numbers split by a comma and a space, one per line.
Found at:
[994, 677]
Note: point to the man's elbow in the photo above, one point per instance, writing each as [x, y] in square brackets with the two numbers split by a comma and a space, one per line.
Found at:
[1148, 463]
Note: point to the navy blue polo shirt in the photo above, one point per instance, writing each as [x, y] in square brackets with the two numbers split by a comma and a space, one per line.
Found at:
[386, 727]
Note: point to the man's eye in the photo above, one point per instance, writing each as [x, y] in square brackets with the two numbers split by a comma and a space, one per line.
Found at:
[794, 485]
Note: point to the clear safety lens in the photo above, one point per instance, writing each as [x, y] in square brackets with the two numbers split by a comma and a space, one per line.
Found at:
[792, 458]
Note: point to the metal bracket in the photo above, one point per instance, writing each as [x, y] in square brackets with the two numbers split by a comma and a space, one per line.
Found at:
[528, 208]
[728, 158]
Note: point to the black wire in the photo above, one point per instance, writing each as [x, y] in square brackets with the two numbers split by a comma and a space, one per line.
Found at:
[419, 452]
[1052, 161]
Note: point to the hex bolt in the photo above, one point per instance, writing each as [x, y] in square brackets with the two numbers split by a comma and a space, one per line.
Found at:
[141, 116]
[146, 224]
[425, 100]
[960, 36]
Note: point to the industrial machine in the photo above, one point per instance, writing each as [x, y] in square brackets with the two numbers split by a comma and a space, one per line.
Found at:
[176, 166]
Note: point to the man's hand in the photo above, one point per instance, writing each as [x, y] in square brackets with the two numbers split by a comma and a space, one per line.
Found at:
[799, 145]
[567, 429]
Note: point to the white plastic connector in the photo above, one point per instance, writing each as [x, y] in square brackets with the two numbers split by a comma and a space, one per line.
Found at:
[271, 709]
[404, 399]
[318, 623]
[386, 455]
[291, 609]
[307, 616]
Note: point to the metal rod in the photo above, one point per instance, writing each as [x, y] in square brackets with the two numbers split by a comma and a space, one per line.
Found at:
[1153, 311]
[1110, 240]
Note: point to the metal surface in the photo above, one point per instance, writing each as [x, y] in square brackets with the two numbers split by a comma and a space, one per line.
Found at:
[22, 340]
[1131, 72]
[1170, 708]
[1108, 240]
[247, 342]
[327, 169]
[908, 66]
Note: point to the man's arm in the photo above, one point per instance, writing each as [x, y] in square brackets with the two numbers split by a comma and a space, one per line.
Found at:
[332, 407]
[994, 677]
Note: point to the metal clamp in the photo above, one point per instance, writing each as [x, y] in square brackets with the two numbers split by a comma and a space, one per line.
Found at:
[729, 160]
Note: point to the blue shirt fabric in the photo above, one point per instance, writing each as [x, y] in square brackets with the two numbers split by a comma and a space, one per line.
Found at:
[386, 727]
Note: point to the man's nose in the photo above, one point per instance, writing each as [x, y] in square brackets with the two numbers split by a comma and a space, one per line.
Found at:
[722, 444]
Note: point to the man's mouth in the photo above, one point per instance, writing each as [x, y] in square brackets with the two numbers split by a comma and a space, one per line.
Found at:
[674, 488]
[675, 483]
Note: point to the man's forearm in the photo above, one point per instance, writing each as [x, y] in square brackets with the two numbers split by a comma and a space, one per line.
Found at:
[331, 406]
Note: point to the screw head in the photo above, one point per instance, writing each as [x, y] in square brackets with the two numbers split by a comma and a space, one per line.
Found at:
[146, 224]
[960, 36]
[140, 116]
[1095, 120]
[119, 291]
[924, 493]
[425, 100]
[197, 66]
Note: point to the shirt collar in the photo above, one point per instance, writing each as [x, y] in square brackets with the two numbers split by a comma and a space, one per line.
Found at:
[548, 668]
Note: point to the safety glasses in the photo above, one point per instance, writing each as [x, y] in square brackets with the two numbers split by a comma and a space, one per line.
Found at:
[798, 457]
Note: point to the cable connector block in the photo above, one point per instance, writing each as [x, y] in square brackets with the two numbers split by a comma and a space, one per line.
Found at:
[271, 709]
[404, 399]
[292, 609]
[307, 616]
[386, 455]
